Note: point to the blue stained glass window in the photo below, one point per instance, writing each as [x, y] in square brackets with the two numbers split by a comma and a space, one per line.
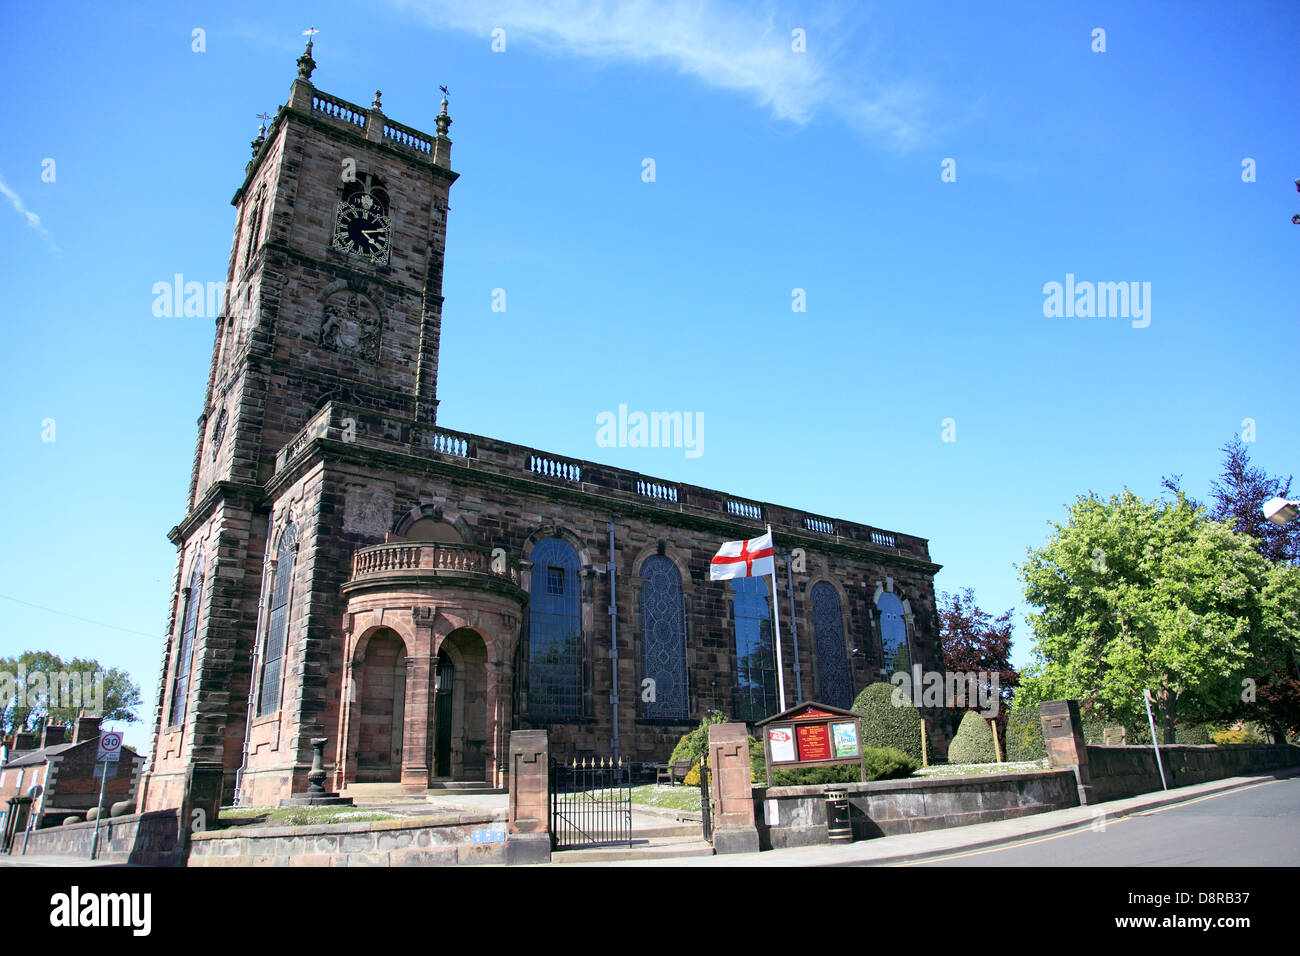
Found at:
[663, 638]
[893, 635]
[834, 681]
[185, 653]
[277, 628]
[756, 690]
[554, 632]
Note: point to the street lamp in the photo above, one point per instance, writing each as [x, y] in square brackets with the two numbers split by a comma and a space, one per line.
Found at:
[1281, 511]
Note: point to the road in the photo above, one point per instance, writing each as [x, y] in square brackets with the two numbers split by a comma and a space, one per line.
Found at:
[1258, 825]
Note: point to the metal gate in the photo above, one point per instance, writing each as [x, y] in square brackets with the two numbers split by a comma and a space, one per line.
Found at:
[591, 804]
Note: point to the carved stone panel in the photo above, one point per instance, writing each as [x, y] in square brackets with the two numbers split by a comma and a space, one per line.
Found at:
[367, 511]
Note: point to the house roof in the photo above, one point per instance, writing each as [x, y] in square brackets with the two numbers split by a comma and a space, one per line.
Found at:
[38, 756]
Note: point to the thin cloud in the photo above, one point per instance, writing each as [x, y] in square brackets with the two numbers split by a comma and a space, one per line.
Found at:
[33, 220]
[730, 47]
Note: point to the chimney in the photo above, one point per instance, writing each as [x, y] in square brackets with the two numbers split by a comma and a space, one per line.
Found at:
[53, 734]
[24, 741]
[87, 729]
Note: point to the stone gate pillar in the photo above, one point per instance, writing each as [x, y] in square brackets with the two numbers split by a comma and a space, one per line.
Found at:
[1066, 745]
[528, 830]
[732, 793]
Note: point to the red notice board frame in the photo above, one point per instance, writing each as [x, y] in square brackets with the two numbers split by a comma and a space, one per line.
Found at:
[809, 719]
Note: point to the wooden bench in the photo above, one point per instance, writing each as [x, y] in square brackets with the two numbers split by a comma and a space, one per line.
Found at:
[673, 773]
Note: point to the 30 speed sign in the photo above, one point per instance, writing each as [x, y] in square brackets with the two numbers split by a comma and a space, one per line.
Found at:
[110, 746]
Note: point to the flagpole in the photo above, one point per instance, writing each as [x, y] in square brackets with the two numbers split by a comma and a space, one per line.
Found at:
[776, 617]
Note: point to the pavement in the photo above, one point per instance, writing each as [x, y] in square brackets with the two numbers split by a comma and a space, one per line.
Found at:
[914, 847]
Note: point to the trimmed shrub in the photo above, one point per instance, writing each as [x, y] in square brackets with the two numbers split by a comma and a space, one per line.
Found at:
[889, 763]
[757, 764]
[693, 745]
[1025, 734]
[692, 779]
[884, 725]
[882, 763]
[974, 741]
[1237, 737]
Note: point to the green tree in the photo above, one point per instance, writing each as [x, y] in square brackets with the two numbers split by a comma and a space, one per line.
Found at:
[37, 686]
[1136, 595]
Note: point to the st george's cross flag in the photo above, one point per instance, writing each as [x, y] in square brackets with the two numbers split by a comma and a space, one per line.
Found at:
[744, 559]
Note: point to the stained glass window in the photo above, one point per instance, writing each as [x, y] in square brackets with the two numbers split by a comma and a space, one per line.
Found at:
[834, 682]
[663, 638]
[893, 635]
[756, 693]
[185, 653]
[554, 632]
[277, 628]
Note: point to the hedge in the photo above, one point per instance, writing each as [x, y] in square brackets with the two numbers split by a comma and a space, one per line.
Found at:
[1025, 734]
[882, 763]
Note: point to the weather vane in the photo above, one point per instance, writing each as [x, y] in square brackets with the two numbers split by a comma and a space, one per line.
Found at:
[263, 117]
[444, 91]
[310, 32]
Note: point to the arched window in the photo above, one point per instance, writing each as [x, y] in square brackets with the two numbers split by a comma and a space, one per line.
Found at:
[554, 632]
[756, 692]
[663, 638]
[893, 635]
[185, 652]
[277, 627]
[432, 529]
[834, 682]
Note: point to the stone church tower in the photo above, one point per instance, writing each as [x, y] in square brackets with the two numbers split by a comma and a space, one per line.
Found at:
[349, 569]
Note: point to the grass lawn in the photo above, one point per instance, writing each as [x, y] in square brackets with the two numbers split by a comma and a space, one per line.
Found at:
[302, 816]
[672, 798]
[961, 770]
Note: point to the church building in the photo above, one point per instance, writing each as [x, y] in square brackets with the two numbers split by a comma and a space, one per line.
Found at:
[349, 567]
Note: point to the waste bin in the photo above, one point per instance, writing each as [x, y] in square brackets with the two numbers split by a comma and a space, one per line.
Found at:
[838, 827]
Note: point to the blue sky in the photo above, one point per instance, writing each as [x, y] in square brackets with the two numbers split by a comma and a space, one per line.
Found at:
[775, 170]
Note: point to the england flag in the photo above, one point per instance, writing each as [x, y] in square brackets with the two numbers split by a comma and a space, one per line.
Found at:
[744, 559]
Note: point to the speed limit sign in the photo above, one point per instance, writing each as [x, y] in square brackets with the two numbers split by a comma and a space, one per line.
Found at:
[110, 747]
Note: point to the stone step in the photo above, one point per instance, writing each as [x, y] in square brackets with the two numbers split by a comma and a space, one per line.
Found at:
[659, 848]
[660, 831]
[443, 787]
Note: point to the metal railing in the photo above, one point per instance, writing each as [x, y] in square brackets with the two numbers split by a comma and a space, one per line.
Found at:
[591, 804]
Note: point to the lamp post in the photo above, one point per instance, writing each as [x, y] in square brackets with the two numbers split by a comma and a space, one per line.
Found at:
[1280, 511]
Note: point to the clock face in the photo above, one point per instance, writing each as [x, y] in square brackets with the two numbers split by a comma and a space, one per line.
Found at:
[363, 229]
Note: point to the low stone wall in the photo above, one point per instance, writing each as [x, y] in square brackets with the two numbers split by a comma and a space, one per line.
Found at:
[796, 816]
[1118, 772]
[439, 840]
[149, 839]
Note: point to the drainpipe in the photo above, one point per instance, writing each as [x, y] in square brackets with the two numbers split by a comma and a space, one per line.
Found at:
[263, 610]
[613, 637]
[794, 628]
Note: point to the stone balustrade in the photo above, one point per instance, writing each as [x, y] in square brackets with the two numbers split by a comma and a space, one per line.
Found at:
[347, 424]
[433, 559]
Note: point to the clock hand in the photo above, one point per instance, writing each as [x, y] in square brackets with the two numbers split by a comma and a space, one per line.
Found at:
[371, 233]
